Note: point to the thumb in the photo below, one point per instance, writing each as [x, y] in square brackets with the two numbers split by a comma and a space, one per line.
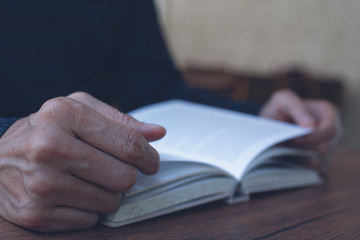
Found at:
[285, 105]
[150, 131]
[298, 111]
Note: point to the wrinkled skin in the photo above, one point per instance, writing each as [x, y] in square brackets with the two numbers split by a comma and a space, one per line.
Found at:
[70, 161]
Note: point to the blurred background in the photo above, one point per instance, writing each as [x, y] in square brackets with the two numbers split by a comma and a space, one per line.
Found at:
[247, 49]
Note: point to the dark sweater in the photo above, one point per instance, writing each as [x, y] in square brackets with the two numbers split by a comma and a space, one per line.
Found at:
[112, 49]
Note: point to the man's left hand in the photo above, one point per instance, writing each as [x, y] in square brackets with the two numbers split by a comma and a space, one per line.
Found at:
[321, 115]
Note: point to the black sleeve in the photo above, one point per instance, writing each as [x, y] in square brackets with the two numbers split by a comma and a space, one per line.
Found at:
[5, 123]
[148, 69]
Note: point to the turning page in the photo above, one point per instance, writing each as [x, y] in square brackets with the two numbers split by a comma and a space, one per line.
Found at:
[226, 139]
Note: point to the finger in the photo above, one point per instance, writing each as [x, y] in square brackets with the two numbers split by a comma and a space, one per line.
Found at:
[124, 143]
[64, 218]
[48, 188]
[80, 121]
[326, 119]
[321, 148]
[286, 106]
[150, 131]
[76, 193]
[325, 130]
[96, 166]
[59, 219]
[296, 110]
[322, 156]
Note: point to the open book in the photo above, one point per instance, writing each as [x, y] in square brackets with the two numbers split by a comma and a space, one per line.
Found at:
[209, 154]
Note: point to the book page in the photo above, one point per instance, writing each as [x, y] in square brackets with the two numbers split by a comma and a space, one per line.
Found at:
[173, 174]
[226, 139]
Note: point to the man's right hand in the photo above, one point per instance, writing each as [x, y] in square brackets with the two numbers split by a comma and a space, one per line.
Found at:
[70, 161]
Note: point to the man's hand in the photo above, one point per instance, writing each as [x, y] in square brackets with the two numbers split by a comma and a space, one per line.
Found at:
[321, 115]
[70, 161]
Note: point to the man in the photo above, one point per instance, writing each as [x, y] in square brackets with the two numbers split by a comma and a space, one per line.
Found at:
[65, 160]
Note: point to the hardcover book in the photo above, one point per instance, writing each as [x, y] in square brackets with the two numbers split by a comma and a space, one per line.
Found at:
[211, 154]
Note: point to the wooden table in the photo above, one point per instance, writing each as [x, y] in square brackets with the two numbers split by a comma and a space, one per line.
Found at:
[330, 211]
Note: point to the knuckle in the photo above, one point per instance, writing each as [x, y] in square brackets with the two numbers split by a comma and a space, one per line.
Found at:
[329, 106]
[124, 118]
[113, 203]
[126, 179]
[286, 91]
[32, 218]
[39, 185]
[132, 144]
[56, 112]
[130, 178]
[41, 147]
[80, 95]
[53, 107]
[283, 93]
[90, 221]
[156, 163]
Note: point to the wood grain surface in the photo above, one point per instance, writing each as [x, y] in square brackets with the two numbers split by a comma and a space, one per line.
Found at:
[329, 211]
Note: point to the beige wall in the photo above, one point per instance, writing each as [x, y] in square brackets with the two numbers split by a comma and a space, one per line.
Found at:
[263, 35]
